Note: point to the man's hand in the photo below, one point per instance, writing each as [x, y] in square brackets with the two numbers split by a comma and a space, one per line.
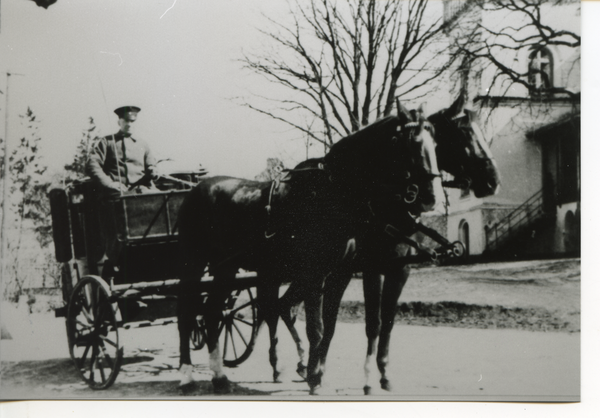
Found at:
[153, 174]
[120, 187]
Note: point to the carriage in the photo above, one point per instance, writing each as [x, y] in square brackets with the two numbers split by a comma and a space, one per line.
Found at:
[371, 181]
[142, 290]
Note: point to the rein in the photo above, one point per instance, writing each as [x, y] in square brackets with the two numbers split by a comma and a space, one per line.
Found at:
[274, 185]
[320, 167]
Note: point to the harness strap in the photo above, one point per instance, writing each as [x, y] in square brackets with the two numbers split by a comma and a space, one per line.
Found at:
[320, 167]
[395, 233]
[274, 185]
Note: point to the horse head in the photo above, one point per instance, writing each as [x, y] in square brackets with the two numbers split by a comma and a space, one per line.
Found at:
[394, 156]
[463, 151]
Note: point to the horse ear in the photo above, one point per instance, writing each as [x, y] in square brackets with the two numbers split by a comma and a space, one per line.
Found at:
[402, 110]
[457, 107]
[420, 117]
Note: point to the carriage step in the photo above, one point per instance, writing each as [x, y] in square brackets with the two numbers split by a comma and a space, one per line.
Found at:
[144, 324]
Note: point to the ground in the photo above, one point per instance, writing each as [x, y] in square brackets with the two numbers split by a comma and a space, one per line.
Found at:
[483, 331]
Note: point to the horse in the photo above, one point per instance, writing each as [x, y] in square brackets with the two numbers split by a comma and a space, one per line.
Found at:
[301, 228]
[461, 151]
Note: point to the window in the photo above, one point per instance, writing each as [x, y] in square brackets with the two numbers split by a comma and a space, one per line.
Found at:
[540, 70]
[463, 234]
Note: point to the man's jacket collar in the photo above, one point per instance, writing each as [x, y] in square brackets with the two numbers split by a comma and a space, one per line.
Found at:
[119, 135]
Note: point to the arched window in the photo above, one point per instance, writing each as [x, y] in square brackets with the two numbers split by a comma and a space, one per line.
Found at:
[540, 70]
[463, 234]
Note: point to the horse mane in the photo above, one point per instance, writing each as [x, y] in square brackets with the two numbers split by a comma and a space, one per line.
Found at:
[364, 146]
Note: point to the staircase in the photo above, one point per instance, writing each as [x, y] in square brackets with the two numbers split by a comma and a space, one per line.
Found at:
[531, 212]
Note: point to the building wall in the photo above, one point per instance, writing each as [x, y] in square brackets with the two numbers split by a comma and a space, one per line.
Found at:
[476, 238]
[519, 160]
[519, 157]
[508, 114]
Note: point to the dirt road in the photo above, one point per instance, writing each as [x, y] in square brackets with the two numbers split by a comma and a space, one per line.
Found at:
[511, 333]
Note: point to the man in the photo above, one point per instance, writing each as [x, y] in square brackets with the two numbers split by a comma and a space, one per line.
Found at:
[121, 163]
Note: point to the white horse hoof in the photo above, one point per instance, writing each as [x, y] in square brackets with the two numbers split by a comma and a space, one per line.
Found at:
[186, 374]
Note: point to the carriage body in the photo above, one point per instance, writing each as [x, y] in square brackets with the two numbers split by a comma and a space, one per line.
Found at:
[146, 226]
[142, 291]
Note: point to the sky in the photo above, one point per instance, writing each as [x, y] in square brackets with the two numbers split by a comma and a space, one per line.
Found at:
[176, 59]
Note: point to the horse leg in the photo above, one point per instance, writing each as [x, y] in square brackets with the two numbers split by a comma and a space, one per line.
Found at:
[335, 285]
[289, 305]
[185, 324]
[268, 302]
[213, 317]
[372, 289]
[191, 269]
[313, 306]
[392, 288]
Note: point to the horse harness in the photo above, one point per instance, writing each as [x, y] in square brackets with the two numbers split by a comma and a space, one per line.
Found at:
[408, 197]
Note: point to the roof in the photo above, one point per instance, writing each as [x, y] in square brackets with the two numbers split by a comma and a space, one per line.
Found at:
[568, 121]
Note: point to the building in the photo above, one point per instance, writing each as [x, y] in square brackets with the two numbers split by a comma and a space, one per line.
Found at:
[534, 129]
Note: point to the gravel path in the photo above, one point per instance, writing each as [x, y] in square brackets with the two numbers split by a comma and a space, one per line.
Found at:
[451, 357]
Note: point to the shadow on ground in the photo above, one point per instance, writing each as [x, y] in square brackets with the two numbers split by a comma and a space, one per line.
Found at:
[61, 380]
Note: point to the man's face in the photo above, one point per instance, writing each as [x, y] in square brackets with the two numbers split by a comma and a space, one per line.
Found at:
[126, 123]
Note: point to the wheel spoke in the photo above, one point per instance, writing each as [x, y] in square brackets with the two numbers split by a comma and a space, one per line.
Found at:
[101, 369]
[240, 334]
[109, 360]
[85, 326]
[228, 332]
[87, 315]
[100, 314]
[244, 321]
[239, 308]
[87, 296]
[107, 340]
[85, 353]
[93, 362]
[226, 340]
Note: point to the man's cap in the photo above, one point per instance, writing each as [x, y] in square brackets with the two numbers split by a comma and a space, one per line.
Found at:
[124, 110]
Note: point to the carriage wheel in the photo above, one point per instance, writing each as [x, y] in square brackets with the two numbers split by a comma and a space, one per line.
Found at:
[237, 331]
[198, 337]
[458, 249]
[92, 331]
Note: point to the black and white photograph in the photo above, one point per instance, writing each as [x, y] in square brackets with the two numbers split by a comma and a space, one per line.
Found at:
[291, 200]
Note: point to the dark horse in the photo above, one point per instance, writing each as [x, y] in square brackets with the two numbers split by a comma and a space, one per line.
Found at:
[462, 152]
[302, 228]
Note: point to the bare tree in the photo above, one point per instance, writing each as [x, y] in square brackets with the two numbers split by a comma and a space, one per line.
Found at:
[520, 28]
[343, 64]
